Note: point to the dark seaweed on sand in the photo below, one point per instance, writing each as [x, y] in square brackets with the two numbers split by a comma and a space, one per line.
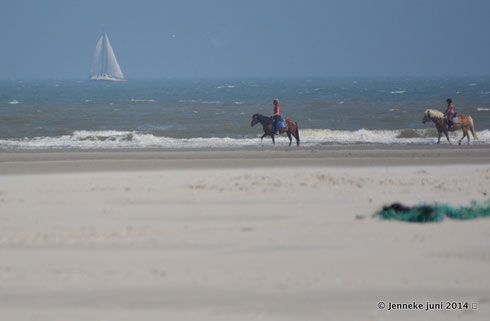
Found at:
[434, 212]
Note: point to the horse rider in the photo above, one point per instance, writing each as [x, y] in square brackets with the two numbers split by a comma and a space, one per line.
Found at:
[449, 113]
[276, 116]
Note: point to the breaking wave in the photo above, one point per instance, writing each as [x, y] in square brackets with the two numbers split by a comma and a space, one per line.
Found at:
[111, 139]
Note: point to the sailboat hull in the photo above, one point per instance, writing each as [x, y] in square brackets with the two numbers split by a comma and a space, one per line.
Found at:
[106, 78]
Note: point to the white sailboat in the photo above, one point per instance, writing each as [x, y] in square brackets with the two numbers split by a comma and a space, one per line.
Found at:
[105, 66]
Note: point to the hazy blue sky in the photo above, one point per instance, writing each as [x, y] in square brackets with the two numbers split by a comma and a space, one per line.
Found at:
[210, 38]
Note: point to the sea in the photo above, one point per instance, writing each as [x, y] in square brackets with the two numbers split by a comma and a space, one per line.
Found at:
[216, 113]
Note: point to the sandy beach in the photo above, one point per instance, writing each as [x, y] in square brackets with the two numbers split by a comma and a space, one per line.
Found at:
[240, 234]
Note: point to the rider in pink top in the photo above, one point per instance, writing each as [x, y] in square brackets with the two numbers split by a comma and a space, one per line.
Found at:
[276, 117]
[449, 112]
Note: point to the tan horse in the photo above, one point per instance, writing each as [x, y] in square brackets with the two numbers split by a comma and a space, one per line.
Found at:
[465, 123]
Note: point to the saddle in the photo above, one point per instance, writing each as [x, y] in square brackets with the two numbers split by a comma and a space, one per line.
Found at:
[454, 121]
[281, 124]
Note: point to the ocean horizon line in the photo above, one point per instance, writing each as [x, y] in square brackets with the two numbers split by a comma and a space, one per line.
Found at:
[272, 77]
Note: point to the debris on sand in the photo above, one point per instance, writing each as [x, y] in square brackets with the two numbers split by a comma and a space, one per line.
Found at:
[434, 212]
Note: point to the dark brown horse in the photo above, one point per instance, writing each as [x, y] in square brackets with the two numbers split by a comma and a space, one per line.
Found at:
[465, 122]
[268, 126]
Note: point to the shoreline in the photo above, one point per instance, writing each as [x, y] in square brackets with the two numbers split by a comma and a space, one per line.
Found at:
[76, 160]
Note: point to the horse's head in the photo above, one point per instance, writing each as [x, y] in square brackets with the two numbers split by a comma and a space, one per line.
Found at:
[426, 116]
[432, 114]
[255, 120]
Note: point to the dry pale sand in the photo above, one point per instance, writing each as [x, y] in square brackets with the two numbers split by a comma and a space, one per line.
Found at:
[239, 235]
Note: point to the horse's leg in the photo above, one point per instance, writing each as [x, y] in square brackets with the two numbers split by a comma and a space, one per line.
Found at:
[262, 139]
[465, 132]
[296, 134]
[439, 139]
[273, 141]
[447, 137]
[290, 139]
[467, 135]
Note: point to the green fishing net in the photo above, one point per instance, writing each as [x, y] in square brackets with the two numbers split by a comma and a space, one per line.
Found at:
[434, 212]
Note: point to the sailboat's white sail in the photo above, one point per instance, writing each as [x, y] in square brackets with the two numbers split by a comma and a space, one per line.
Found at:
[112, 67]
[105, 66]
[97, 64]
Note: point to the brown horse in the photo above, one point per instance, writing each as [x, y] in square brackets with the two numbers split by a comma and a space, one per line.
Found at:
[267, 124]
[464, 122]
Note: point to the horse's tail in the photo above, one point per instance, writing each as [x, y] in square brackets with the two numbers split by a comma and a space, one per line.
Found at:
[472, 128]
[296, 134]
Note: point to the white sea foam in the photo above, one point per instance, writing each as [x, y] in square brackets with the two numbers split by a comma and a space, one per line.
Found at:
[225, 86]
[472, 84]
[483, 109]
[14, 102]
[395, 92]
[121, 139]
[364, 136]
[112, 139]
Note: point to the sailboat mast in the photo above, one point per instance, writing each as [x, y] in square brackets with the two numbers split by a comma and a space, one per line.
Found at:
[104, 55]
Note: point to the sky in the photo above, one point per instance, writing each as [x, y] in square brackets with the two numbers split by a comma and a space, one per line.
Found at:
[247, 38]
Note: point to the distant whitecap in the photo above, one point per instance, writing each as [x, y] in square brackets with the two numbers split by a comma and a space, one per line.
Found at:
[134, 100]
